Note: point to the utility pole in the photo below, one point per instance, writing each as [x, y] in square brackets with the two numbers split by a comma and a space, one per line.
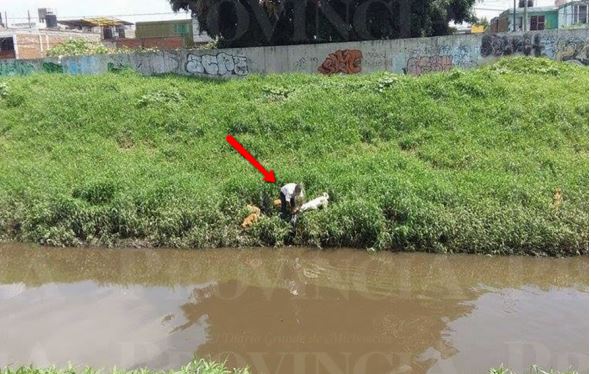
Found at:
[29, 17]
[514, 10]
[525, 16]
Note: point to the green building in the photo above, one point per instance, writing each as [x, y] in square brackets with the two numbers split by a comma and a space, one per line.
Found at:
[174, 28]
[538, 18]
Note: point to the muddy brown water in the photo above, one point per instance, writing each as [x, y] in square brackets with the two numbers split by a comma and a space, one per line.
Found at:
[292, 310]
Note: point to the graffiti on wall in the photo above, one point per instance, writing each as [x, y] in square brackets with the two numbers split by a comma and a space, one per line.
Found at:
[561, 48]
[427, 64]
[347, 61]
[414, 56]
[303, 62]
[16, 68]
[221, 64]
[425, 60]
[462, 55]
[566, 47]
[505, 45]
[572, 50]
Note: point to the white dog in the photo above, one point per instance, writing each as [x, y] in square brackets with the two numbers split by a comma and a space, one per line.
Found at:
[317, 203]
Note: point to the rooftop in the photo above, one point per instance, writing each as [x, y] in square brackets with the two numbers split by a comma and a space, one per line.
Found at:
[534, 9]
[163, 21]
[95, 22]
[569, 3]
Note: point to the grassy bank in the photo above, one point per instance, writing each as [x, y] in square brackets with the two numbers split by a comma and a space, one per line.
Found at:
[195, 367]
[532, 370]
[458, 162]
[208, 367]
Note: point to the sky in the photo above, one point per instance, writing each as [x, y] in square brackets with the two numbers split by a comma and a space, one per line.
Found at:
[138, 10]
[124, 9]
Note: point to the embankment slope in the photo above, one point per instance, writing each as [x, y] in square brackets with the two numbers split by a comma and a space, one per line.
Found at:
[464, 161]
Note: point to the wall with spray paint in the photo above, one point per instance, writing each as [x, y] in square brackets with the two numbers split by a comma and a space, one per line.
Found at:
[408, 56]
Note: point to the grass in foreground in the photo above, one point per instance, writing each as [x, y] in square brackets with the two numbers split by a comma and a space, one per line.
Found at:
[533, 370]
[195, 367]
[464, 161]
[210, 367]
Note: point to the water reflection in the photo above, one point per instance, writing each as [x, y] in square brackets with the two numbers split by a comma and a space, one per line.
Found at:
[292, 310]
[274, 330]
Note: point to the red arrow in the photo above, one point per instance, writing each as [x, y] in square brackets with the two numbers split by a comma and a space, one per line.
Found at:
[269, 176]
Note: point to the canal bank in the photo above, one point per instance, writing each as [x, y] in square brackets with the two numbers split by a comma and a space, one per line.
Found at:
[488, 161]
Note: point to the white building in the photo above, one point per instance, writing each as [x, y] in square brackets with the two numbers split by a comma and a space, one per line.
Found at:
[573, 13]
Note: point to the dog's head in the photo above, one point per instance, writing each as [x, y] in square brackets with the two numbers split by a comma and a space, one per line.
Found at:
[325, 195]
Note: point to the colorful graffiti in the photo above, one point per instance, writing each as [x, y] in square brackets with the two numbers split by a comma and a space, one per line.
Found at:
[427, 64]
[413, 56]
[16, 68]
[222, 64]
[347, 61]
[504, 45]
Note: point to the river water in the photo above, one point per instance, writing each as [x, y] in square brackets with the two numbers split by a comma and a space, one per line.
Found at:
[292, 310]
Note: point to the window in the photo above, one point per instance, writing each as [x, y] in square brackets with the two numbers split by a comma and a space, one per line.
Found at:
[121, 31]
[7, 48]
[580, 15]
[6, 44]
[107, 33]
[181, 29]
[536, 23]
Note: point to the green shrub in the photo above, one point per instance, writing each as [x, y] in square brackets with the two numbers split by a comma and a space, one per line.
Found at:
[271, 231]
[200, 366]
[77, 47]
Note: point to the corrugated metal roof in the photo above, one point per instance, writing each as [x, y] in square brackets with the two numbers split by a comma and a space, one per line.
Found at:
[94, 22]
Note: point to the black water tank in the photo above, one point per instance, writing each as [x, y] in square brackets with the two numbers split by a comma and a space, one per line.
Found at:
[51, 21]
[530, 3]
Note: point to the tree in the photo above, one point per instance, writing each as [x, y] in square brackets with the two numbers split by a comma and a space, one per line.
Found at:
[246, 23]
[483, 21]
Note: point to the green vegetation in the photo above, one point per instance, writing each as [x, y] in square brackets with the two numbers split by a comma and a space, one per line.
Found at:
[208, 367]
[81, 47]
[451, 162]
[194, 367]
[533, 370]
[77, 47]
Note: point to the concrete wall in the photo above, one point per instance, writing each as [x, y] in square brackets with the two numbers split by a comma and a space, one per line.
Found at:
[410, 56]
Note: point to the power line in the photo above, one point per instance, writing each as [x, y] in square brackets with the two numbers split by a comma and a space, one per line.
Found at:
[186, 13]
[177, 13]
[173, 13]
[65, 18]
[111, 15]
[492, 9]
